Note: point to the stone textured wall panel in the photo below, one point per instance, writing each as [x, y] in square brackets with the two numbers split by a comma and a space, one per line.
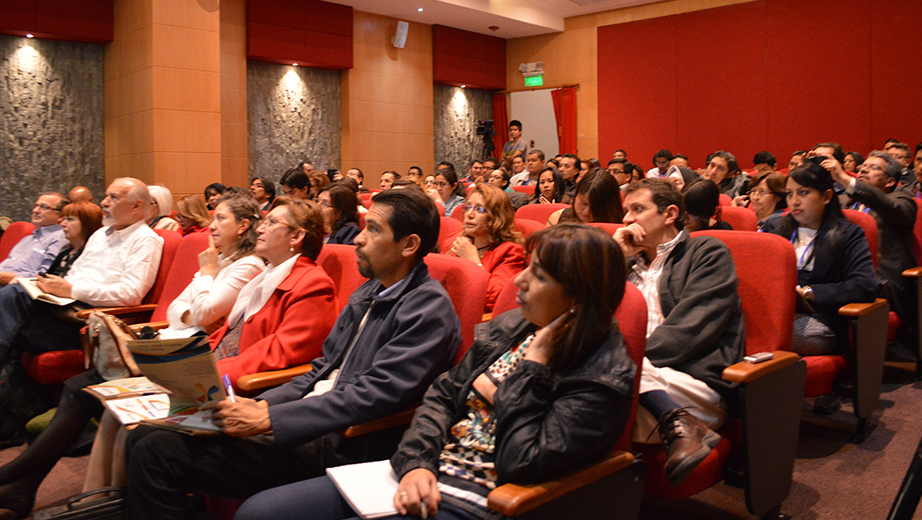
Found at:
[457, 112]
[51, 120]
[293, 114]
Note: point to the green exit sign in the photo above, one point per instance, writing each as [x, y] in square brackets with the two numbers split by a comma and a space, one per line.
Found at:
[534, 81]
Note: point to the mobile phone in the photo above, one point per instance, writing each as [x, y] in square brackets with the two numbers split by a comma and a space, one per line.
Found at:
[759, 357]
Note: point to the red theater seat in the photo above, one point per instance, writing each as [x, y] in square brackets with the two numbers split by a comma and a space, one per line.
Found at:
[13, 234]
[538, 212]
[741, 219]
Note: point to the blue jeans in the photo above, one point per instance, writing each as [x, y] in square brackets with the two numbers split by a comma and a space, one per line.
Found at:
[15, 307]
[316, 499]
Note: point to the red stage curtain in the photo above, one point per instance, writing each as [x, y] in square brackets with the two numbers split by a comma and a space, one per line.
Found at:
[565, 112]
[500, 122]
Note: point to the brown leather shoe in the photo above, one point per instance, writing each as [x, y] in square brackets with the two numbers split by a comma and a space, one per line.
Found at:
[688, 441]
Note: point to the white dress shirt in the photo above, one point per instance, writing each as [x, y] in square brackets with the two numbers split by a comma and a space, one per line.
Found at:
[210, 298]
[116, 268]
[646, 278]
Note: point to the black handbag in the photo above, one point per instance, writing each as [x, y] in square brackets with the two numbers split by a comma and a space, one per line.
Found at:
[111, 506]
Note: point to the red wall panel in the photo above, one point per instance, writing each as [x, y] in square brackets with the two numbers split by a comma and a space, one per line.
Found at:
[307, 32]
[771, 74]
[89, 21]
[468, 58]
[637, 89]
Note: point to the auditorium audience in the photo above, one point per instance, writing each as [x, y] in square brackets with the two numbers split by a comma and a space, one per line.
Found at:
[551, 188]
[900, 152]
[724, 171]
[401, 332]
[387, 179]
[764, 162]
[489, 238]
[161, 206]
[447, 190]
[319, 180]
[263, 190]
[797, 158]
[766, 197]
[516, 146]
[224, 268]
[852, 162]
[340, 214]
[694, 330]
[660, 164]
[534, 164]
[359, 178]
[598, 199]
[622, 171]
[80, 194]
[36, 250]
[543, 390]
[474, 173]
[193, 215]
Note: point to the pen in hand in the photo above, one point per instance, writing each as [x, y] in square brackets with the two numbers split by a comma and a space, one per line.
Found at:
[229, 388]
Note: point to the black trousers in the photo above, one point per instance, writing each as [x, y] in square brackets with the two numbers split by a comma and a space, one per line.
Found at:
[163, 466]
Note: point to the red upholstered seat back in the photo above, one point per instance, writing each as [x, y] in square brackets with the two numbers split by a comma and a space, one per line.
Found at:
[338, 260]
[13, 234]
[917, 232]
[457, 213]
[466, 284]
[171, 240]
[869, 225]
[725, 200]
[527, 190]
[526, 227]
[607, 227]
[767, 272]
[538, 212]
[741, 219]
[185, 265]
[448, 227]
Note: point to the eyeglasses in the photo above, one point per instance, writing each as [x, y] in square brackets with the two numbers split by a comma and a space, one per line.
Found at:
[875, 167]
[478, 209]
[441, 184]
[760, 193]
[270, 222]
[45, 207]
[325, 204]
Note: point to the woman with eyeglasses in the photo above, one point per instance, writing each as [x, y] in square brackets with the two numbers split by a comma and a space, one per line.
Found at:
[447, 190]
[193, 215]
[767, 197]
[340, 214]
[489, 238]
[161, 205]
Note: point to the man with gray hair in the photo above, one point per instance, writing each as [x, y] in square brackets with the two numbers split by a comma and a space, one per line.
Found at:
[873, 192]
[117, 267]
[35, 252]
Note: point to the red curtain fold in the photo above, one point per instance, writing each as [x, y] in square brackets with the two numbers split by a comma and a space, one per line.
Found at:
[500, 123]
[565, 112]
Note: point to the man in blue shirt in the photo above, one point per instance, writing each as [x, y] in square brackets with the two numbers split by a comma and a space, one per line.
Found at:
[35, 252]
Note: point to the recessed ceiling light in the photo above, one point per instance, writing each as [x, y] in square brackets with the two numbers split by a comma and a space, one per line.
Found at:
[29, 35]
[420, 9]
[462, 86]
[295, 64]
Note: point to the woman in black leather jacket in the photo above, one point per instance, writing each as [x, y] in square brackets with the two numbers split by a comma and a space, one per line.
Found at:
[544, 389]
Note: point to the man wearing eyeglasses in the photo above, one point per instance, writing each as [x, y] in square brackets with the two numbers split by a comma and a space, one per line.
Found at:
[35, 252]
[873, 192]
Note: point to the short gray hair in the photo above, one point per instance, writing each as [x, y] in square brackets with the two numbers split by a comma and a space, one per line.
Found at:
[894, 168]
[137, 191]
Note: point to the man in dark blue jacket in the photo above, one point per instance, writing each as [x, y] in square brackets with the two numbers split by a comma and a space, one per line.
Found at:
[396, 334]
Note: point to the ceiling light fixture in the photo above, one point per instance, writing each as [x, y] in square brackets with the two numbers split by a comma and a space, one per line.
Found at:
[295, 64]
[29, 35]
[462, 86]
[420, 9]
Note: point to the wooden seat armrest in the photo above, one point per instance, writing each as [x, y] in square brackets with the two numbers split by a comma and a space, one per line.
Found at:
[261, 380]
[398, 419]
[119, 311]
[913, 272]
[515, 499]
[855, 310]
[487, 316]
[748, 372]
[156, 325]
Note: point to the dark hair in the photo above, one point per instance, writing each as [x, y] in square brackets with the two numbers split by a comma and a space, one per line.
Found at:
[765, 157]
[417, 168]
[590, 266]
[811, 175]
[243, 208]
[575, 158]
[702, 201]
[535, 151]
[302, 163]
[350, 183]
[412, 212]
[593, 163]
[492, 161]
[733, 166]
[560, 186]
[452, 178]
[236, 191]
[405, 182]
[392, 172]
[215, 187]
[662, 193]
[837, 150]
[342, 199]
[361, 175]
[445, 164]
[604, 196]
[899, 145]
[268, 186]
[295, 178]
[501, 215]
[505, 174]
[859, 159]
[305, 214]
[798, 153]
[775, 182]
[89, 215]
[516, 122]
[664, 153]
[619, 150]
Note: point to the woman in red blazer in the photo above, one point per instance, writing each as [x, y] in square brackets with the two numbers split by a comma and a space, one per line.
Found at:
[283, 315]
[489, 238]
